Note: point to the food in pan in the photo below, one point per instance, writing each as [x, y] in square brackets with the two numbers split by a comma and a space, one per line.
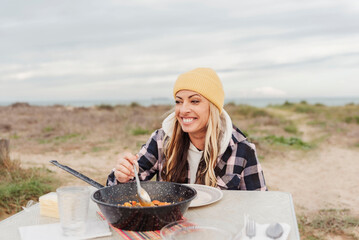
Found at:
[137, 204]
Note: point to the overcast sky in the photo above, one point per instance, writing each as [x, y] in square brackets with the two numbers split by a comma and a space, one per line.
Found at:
[91, 49]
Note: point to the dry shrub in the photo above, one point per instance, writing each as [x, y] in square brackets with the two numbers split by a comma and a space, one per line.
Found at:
[17, 185]
[328, 222]
[5, 161]
[20, 104]
[6, 127]
[4, 151]
[105, 107]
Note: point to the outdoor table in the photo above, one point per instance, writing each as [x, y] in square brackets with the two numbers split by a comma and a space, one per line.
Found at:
[263, 207]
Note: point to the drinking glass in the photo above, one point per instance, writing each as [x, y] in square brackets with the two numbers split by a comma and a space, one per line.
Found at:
[73, 207]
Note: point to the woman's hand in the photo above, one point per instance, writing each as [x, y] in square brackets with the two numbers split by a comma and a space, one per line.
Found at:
[124, 167]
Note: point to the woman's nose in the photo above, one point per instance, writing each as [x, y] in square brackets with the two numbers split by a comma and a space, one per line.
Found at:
[185, 107]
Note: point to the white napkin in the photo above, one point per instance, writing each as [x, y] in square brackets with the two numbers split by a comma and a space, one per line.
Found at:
[96, 228]
[261, 232]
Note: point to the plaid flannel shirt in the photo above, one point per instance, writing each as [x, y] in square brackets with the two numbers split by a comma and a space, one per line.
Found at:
[237, 168]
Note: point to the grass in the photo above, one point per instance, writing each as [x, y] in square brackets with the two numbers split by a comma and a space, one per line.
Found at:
[20, 186]
[140, 131]
[334, 220]
[319, 123]
[301, 107]
[291, 141]
[352, 119]
[17, 185]
[14, 136]
[66, 137]
[48, 129]
[61, 139]
[328, 222]
[99, 149]
[304, 108]
[246, 110]
[291, 128]
[321, 113]
[250, 111]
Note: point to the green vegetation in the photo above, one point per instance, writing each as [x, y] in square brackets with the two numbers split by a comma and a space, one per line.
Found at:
[317, 123]
[14, 136]
[246, 110]
[17, 185]
[319, 112]
[302, 107]
[66, 137]
[20, 185]
[292, 141]
[250, 111]
[99, 149]
[140, 131]
[48, 129]
[291, 128]
[352, 119]
[245, 133]
[61, 139]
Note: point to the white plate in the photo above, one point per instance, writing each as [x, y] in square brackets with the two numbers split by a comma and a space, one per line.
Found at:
[205, 195]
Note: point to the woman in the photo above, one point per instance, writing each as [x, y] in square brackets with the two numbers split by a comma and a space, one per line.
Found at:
[197, 143]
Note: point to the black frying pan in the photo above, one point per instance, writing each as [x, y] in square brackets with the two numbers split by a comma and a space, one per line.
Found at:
[139, 218]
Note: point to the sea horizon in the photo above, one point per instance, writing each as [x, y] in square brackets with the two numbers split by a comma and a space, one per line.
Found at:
[256, 102]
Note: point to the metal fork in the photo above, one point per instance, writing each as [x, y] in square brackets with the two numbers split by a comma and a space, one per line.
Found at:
[250, 227]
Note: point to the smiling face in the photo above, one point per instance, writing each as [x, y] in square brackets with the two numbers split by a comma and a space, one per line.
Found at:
[192, 112]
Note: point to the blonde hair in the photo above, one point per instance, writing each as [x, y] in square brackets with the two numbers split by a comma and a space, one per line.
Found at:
[176, 151]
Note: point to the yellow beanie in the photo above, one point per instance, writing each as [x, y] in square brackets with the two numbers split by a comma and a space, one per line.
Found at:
[204, 81]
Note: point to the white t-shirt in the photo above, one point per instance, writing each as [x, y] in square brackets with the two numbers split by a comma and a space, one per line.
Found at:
[193, 158]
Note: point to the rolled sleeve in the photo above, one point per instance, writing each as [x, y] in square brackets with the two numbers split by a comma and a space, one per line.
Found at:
[111, 179]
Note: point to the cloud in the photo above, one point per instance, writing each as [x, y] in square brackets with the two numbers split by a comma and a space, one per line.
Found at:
[268, 48]
[268, 92]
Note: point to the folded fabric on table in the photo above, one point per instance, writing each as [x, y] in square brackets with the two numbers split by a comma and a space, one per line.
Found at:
[94, 229]
[261, 232]
[134, 235]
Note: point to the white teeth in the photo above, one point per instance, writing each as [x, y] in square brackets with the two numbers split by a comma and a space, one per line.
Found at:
[187, 120]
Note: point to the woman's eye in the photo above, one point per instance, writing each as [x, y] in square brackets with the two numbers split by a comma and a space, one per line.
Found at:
[195, 101]
[177, 102]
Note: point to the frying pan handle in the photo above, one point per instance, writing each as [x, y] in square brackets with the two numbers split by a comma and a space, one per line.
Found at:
[77, 174]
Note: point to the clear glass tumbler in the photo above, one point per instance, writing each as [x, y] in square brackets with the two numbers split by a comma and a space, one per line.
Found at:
[73, 207]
